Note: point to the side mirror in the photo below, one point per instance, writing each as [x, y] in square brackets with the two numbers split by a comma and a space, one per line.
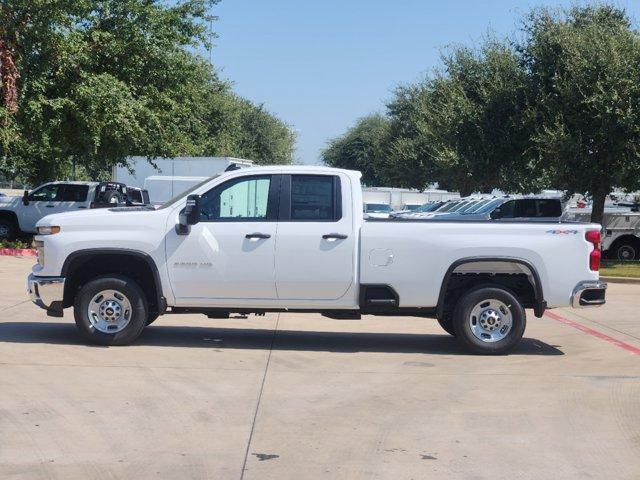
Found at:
[192, 210]
[189, 216]
[25, 197]
[496, 214]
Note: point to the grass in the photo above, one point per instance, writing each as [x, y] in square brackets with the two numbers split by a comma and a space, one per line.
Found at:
[613, 268]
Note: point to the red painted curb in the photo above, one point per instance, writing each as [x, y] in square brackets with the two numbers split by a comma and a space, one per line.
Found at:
[593, 333]
[18, 252]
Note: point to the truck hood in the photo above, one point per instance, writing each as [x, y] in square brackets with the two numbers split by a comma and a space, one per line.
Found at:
[9, 201]
[101, 218]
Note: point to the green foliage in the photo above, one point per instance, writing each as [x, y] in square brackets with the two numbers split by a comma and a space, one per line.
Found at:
[105, 79]
[362, 148]
[584, 69]
[560, 109]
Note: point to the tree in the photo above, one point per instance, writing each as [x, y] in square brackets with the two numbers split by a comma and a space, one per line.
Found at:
[362, 148]
[101, 80]
[463, 126]
[585, 100]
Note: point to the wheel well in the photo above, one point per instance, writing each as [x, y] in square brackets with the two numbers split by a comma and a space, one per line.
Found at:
[85, 267]
[625, 239]
[517, 277]
[5, 215]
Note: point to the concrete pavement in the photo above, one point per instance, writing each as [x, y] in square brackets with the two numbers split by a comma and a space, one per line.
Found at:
[295, 396]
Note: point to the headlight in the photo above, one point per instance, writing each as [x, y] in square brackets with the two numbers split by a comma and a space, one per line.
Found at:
[40, 250]
[48, 230]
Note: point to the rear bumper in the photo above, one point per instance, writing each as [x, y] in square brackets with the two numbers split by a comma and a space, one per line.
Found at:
[47, 293]
[589, 294]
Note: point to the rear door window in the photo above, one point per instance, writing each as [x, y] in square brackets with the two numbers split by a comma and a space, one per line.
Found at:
[315, 198]
[74, 193]
[549, 208]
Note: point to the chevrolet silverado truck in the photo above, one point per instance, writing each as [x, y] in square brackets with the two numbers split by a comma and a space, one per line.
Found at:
[19, 215]
[294, 239]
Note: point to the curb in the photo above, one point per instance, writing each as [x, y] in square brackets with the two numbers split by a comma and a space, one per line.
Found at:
[627, 280]
[18, 252]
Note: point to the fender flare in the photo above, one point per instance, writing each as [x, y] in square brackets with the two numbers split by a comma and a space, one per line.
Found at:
[540, 304]
[88, 252]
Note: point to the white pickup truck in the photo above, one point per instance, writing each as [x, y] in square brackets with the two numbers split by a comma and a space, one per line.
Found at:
[292, 238]
[20, 214]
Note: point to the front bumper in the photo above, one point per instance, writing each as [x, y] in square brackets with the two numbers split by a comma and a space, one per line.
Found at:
[589, 294]
[47, 293]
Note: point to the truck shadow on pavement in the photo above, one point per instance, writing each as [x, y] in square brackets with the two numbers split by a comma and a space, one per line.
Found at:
[264, 339]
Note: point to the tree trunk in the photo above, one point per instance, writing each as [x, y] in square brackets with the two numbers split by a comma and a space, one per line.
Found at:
[597, 210]
[8, 78]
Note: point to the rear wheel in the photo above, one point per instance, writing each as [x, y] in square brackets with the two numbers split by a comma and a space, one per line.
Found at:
[627, 250]
[111, 310]
[489, 321]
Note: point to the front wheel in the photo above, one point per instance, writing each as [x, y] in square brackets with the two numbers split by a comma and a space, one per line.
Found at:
[489, 321]
[110, 310]
[447, 325]
[8, 229]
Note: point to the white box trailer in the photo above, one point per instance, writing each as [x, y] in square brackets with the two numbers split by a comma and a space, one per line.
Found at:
[163, 188]
[400, 198]
[139, 168]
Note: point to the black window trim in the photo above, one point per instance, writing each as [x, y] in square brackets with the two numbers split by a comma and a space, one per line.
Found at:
[285, 198]
[272, 199]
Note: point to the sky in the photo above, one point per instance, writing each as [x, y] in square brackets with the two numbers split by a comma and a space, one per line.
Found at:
[321, 65]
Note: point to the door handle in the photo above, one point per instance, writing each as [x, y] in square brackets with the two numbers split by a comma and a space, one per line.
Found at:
[336, 236]
[257, 235]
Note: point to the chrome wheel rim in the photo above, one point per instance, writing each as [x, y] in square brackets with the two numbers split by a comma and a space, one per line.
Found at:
[109, 311]
[626, 252]
[491, 320]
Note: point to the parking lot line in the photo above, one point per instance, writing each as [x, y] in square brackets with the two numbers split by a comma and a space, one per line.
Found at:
[594, 333]
[255, 414]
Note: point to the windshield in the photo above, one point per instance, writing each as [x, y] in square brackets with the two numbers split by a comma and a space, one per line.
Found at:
[185, 193]
[429, 207]
[488, 207]
[476, 206]
[447, 207]
[460, 206]
[377, 208]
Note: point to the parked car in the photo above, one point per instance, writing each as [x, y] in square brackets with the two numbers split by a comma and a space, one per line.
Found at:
[20, 214]
[294, 238]
[502, 209]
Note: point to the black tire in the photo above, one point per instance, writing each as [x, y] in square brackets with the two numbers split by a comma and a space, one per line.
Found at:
[152, 318]
[8, 229]
[626, 250]
[113, 197]
[462, 321]
[125, 286]
[447, 325]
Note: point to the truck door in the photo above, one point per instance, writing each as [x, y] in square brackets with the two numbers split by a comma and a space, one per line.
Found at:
[43, 201]
[316, 243]
[73, 197]
[230, 253]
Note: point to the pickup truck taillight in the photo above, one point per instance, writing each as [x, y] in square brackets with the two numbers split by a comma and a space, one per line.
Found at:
[593, 237]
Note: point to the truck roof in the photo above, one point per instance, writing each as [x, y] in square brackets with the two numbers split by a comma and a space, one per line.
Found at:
[299, 169]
